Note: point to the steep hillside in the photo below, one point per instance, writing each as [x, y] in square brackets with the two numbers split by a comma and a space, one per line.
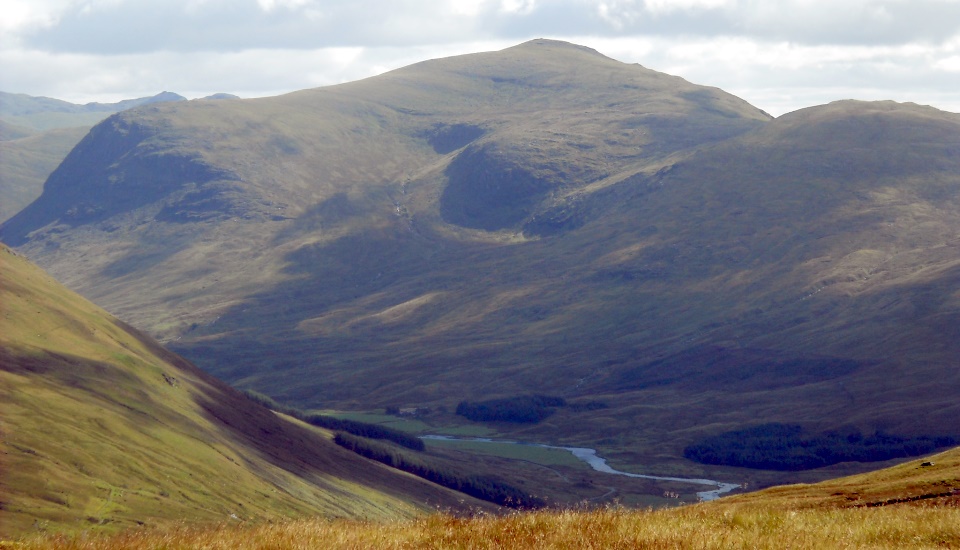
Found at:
[540, 219]
[100, 427]
[25, 163]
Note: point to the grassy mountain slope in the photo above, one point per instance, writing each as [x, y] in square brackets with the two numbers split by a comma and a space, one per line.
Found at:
[539, 219]
[826, 515]
[103, 428]
[10, 131]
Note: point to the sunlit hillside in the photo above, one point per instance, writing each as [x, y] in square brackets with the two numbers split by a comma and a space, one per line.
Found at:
[102, 429]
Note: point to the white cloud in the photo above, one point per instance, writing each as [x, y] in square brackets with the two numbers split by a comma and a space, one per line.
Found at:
[469, 8]
[20, 15]
[667, 6]
[271, 5]
[522, 7]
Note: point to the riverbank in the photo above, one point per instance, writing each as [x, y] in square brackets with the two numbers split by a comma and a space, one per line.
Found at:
[598, 463]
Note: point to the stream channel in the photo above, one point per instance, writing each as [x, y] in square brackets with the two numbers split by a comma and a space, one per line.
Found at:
[600, 464]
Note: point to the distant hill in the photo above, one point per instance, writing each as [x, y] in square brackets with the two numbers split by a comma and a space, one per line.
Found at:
[542, 219]
[104, 429]
[44, 113]
[222, 96]
[26, 162]
[9, 131]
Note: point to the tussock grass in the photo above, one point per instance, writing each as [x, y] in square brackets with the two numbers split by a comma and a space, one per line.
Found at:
[702, 526]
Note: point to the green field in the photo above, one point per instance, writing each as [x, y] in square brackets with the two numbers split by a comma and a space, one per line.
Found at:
[529, 453]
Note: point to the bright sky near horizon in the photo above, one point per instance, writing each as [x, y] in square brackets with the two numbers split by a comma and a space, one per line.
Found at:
[780, 55]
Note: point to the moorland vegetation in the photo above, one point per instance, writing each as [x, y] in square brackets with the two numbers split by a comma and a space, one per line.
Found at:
[909, 506]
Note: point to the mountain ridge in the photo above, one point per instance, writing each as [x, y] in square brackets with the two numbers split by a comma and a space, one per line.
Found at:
[540, 218]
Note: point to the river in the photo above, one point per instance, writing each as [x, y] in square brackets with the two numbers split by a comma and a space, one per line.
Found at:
[600, 464]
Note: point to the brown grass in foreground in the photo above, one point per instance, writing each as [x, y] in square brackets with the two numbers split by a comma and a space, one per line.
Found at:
[701, 526]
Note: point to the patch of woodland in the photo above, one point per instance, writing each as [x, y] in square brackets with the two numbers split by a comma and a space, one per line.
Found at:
[789, 447]
[482, 487]
[519, 409]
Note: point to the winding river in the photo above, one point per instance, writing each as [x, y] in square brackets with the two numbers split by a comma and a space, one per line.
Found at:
[600, 464]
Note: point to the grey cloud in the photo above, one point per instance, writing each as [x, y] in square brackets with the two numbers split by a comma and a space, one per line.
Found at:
[221, 25]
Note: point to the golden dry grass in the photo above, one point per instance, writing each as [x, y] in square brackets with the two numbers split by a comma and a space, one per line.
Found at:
[701, 526]
[798, 516]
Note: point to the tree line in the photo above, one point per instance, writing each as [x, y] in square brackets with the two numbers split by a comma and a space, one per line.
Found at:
[788, 447]
[519, 409]
[482, 487]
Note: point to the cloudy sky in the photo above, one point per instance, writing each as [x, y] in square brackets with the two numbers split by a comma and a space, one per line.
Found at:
[779, 55]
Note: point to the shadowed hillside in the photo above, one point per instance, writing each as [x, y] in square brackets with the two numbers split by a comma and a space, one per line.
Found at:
[36, 133]
[540, 219]
[104, 429]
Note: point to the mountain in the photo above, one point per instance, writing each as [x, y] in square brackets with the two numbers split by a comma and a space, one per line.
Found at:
[541, 219]
[36, 133]
[103, 428]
